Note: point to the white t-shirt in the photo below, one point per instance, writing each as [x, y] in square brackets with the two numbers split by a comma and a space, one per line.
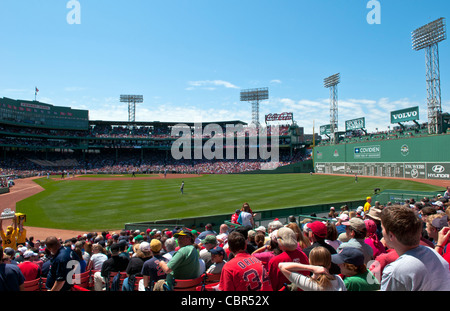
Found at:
[419, 269]
[245, 218]
[307, 284]
[97, 261]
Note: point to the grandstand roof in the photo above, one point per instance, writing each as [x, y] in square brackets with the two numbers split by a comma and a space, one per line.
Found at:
[153, 123]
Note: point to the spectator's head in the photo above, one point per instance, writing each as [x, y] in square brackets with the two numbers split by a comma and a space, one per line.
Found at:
[355, 228]
[274, 225]
[320, 256]
[52, 244]
[184, 238]
[401, 227]
[294, 227]
[217, 254]
[374, 214]
[332, 233]
[350, 260]
[170, 244]
[245, 207]
[236, 242]
[114, 249]
[9, 230]
[435, 223]
[371, 226]
[223, 228]
[210, 241]
[317, 230]
[260, 239]
[209, 227]
[155, 246]
[30, 255]
[287, 239]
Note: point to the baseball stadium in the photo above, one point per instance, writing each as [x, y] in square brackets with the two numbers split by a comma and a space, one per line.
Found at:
[69, 182]
[92, 175]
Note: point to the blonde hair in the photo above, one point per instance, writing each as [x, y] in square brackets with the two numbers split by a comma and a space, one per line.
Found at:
[320, 256]
[433, 217]
[303, 241]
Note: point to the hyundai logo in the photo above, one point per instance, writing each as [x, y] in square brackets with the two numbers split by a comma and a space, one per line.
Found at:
[438, 169]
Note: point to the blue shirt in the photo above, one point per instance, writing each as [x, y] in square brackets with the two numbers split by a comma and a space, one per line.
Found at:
[10, 278]
[60, 268]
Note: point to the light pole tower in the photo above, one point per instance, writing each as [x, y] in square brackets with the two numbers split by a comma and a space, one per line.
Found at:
[331, 82]
[131, 100]
[427, 37]
[255, 96]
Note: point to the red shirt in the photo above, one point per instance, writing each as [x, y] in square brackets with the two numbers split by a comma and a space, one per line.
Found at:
[446, 255]
[244, 273]
[234, 218]
[30, 270]
[277, 278]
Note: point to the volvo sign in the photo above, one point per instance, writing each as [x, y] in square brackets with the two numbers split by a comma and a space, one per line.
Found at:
[404, 115]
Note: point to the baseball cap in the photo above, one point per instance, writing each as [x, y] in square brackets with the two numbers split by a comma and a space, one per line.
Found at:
[144, 246]
[183, 233]
[287, 237]
[356, 223]
[343, 217]
[138, 238]
[217, 251]
[261, 228]
[155, 245]
[318, 228]
[28, 254]
[209, 239]
[350, 255]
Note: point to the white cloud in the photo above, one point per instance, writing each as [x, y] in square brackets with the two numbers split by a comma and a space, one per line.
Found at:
[210, 84]
[275, 81]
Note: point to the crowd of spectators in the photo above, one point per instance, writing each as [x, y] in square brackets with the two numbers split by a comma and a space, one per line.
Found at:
[415, 130]
[391, 247]
[26, 164]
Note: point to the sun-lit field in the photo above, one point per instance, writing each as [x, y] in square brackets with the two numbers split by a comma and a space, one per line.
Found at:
[105, 204]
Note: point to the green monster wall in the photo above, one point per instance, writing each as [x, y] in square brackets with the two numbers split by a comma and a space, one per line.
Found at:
[421, 157]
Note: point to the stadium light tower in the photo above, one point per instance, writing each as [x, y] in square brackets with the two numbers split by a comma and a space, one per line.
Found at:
[427, 37]
[131, 100]
[331, 82]
[255, 96]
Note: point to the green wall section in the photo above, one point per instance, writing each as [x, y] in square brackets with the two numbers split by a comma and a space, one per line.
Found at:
[420, 157]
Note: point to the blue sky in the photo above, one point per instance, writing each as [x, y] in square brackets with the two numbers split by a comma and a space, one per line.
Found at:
[190, 59]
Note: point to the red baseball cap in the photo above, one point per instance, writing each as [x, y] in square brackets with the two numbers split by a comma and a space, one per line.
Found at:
[318, 228]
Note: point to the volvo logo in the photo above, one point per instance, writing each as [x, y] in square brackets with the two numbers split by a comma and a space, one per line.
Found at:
[438, 169]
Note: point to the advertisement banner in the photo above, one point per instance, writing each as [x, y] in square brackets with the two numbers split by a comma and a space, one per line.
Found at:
[404, 115]
[355, 124]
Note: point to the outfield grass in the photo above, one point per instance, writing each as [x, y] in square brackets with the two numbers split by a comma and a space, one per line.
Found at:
[99, 205]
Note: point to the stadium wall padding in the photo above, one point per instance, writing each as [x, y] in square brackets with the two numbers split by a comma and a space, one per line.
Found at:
[424, 157]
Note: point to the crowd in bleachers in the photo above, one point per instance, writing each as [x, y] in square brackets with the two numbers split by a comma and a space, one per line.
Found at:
[397, 132]
[108, 131]
[391, 247]
[26, 164]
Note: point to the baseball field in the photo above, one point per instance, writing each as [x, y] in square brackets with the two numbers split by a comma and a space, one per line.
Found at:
[99, 202]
